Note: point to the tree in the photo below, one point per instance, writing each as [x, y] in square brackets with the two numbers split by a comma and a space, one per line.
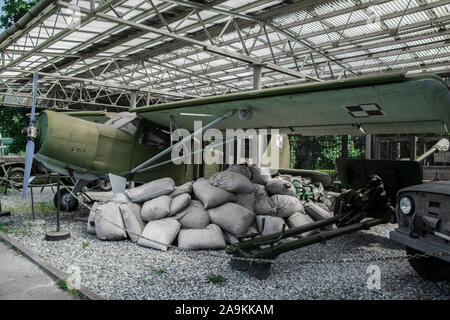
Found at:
[13, 10]
[12, 119]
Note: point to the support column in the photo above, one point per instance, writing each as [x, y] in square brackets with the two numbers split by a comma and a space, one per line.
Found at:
[368, 146]
[133, 95]
[256, 77]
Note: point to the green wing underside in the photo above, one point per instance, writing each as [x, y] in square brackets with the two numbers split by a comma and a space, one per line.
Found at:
[381, 104]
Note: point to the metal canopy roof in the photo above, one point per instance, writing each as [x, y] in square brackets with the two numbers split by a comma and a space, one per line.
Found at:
[113, 54]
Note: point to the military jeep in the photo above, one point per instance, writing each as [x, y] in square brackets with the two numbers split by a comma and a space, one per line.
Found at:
[423, 217]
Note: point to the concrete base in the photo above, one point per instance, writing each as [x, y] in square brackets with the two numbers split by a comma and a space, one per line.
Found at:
[57, 235]
[5, 213]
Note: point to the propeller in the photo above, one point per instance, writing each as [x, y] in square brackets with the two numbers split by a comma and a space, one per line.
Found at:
[31, 134]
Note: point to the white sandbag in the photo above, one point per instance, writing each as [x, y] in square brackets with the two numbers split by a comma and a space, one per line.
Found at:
[260, 191]
[194, 216]
[209, 195]
[280, 186]
[240, 168]
[300, 219]
[232, 218]
[263, 207]
[316, 212]
[91, 218]
[271, 224]
[184, 188]
[260, 175]
[231, 239]
[151, 190]
[109, 223]
[247, 200]
[179, 203]
[159, 234]
[210, 237]
[120, 198]
[136, 208]
[132, 221]
[330, 199]
[232, 181]
[157, 208]
[285, 205]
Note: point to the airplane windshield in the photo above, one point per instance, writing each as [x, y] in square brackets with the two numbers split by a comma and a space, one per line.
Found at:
[124, 121]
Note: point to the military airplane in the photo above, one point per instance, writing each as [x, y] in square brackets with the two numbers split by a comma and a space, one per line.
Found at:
[136, 145]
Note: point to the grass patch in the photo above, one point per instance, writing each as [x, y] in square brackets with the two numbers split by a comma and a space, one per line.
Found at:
[62, 284]
[84, 244]
[20, 208]
[160, 271]
[216, 278]
[3, 226]
[44, 207]
[24, 207]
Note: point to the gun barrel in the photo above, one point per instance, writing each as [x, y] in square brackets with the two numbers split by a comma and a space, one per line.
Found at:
[442, 145]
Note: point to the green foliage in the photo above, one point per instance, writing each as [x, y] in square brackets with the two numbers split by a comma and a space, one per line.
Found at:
[13, 10]
[320, 152]
[85, 244]
[62, 284]
[216, 278]
[3, 227]
[12, 121]
[160, 271]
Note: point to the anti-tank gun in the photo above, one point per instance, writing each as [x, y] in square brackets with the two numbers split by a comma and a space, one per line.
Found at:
[371, 201]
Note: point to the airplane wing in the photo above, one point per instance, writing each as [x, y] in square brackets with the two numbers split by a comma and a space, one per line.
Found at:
[393, 103]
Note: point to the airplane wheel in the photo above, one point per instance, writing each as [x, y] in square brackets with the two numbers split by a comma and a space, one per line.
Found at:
[430, 268]
[67, 201]
[105, 186]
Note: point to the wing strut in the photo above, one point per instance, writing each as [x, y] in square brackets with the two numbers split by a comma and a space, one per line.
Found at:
[188, 155]
[169, 149]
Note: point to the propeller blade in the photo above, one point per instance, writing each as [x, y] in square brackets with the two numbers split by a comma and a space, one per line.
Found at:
[33, 108]
[28, 164]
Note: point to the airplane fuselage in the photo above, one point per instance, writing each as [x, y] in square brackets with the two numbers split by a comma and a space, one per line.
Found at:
[90, 150]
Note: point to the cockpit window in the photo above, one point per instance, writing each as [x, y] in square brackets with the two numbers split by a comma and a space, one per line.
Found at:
[156, 137]
[124, 121]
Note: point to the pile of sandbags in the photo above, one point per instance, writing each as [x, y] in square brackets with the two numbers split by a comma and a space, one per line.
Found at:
[206, 213]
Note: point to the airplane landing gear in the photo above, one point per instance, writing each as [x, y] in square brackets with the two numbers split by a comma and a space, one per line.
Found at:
[67, 202]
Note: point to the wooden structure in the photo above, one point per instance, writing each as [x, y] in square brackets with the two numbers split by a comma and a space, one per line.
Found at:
[408, 147]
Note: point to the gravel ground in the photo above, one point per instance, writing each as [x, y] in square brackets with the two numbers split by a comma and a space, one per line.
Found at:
[124, 270]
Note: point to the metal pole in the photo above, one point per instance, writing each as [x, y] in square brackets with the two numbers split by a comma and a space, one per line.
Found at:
[133, 95]
[256, 77]
[368, 146]
[32, 202]
[58, 204]
[166, 151]
[256, 242]
[188, 155]
[171, 130]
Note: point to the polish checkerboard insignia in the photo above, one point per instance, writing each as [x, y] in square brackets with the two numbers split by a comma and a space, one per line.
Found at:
[365, 110]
